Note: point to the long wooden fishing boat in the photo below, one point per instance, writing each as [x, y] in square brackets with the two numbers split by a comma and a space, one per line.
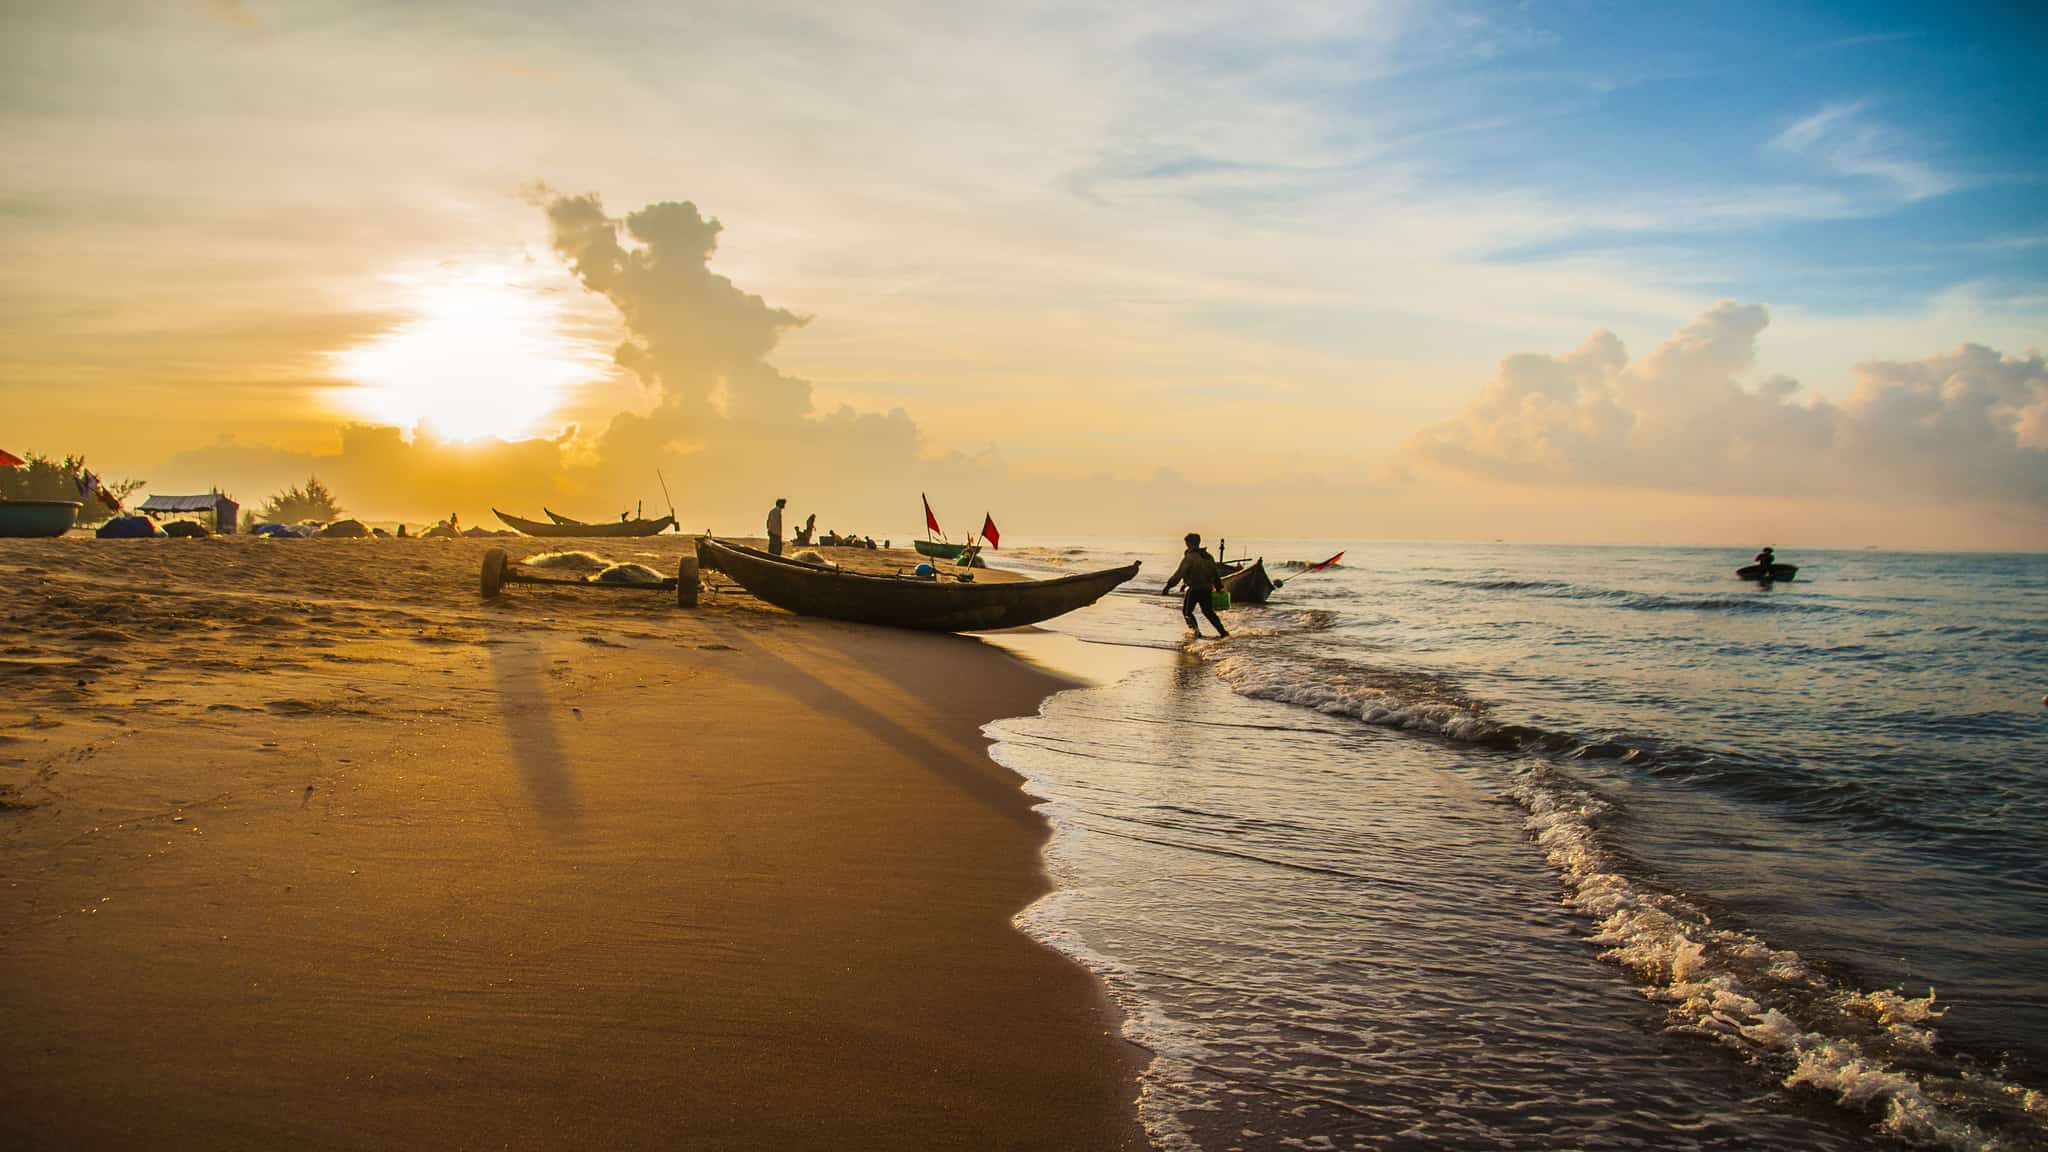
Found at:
[570, 531]
[558, 518]
[37, 517]
[938, 549]
[1247, 582]
[936, 605]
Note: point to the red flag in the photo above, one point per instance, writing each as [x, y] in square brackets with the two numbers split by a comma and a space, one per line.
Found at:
[988, 531]
[1324, 564]
[930, 521]
[10, 460]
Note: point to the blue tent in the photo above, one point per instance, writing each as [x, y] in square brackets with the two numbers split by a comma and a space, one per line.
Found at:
[128, 528]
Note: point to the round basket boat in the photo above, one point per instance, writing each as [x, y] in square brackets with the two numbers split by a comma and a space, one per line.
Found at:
[37, 517]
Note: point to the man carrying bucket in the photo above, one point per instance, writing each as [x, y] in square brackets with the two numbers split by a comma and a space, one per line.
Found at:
[1199, 572]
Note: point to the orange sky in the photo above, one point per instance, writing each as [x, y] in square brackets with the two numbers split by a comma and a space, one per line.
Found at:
[245, 237]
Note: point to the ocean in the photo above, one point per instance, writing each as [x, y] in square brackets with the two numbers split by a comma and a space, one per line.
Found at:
[1510, 847]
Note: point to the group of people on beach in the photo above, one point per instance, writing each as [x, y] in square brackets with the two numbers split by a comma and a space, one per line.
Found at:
[808, 534]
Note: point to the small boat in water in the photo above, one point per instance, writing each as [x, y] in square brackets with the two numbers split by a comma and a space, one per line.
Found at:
[1247, 582]
[24, 518]
[577, 529]
[923, 602]
[1767, 573]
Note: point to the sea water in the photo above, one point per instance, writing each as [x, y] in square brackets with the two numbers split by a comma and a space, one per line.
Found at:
[1472, 847]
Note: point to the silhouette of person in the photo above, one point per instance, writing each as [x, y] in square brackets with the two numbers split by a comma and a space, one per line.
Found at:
[1199, 573]
[775, 527]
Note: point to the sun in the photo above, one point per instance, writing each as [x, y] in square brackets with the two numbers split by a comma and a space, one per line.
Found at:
[483, 354]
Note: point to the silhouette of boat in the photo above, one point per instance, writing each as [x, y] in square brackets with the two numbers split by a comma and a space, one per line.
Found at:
[923, 602]
[1247, 582]
[576, 529]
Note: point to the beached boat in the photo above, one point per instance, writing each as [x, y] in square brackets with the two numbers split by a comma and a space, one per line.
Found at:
[37, 517]
[622, 528]
[1758, 573]
[1247, 582]
[558, 518]
[938, 605]
[938, 549]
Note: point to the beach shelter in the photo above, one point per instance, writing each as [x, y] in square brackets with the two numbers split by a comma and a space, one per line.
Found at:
[224, 510]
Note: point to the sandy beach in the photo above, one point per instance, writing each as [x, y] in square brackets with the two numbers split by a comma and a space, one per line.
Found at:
[306, 845]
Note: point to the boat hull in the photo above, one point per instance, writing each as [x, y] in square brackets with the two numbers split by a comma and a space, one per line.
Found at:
[938, 549]
[1248, 583]
[31, 518]
[1758, 573]
[624, 528]
[902, 601]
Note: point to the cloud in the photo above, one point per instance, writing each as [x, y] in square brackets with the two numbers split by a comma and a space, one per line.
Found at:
[1968, 425]
[1844, 139]
[693, 334]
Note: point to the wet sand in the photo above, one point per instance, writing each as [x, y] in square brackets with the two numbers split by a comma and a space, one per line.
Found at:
[302, 844]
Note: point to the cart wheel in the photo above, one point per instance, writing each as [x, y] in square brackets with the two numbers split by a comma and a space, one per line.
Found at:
[686, 582]
[494, 573]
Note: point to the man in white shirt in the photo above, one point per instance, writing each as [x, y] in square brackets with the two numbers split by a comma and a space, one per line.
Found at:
[775, 527]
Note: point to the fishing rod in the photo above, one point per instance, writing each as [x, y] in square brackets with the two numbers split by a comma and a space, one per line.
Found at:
[678, 524]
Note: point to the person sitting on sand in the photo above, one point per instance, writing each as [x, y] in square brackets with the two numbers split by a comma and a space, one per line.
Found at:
[1199, 572]
[805, 534]
[775, 526]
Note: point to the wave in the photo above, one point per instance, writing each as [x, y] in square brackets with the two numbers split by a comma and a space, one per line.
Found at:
[1875, 1052]
[1436, 705]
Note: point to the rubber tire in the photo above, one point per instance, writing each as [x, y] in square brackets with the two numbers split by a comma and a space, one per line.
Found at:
[494, 573]
[686, 582]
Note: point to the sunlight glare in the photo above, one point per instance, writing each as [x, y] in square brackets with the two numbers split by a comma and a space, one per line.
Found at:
[483, 355]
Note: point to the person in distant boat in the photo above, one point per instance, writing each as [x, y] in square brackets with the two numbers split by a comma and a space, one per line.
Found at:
[1767, 557]
[1199, 573]
[775, 526]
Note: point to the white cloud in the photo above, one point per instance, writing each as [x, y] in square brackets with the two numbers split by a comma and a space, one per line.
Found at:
[1846, 140]
[1968, 425]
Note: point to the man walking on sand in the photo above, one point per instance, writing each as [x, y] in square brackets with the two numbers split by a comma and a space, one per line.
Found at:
[775, 527]
[1199, 572]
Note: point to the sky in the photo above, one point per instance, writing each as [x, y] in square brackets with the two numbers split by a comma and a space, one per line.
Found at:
[1575, 272]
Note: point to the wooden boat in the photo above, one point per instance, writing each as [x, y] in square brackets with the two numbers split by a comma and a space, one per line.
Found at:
[622, 528]
[561, 519]
[1247, 582]
[938, 549]
[937, 605]
[1757, 572]
[37, 517]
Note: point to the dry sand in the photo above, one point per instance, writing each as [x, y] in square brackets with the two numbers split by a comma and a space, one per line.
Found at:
[303, 845]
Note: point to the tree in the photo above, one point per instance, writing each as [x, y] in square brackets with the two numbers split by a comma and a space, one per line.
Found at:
[313, 502]
[45, 478]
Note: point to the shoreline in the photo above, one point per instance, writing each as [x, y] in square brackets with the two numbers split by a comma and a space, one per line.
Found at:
[307, 843]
